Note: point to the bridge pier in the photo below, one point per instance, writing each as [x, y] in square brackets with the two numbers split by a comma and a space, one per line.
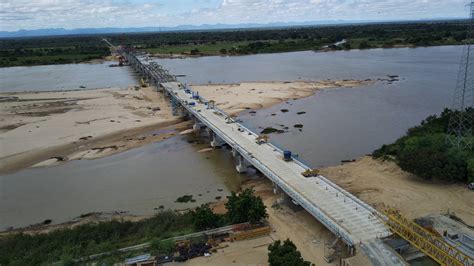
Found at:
[242, 164]
[198, 126]
[290, 202]
[234, 152]
[216, 141]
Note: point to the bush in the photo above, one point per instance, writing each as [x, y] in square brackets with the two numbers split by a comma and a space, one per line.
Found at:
[426, 152]
[204, 218]
[163, 246]
[285, 254]
[245, 207]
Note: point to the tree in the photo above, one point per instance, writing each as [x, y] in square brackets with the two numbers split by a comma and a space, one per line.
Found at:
[364, 45]
[204, 218]
[425, 152]
[285, 254]
[245, 207]
[470, 170]
[223, 51]
[195, 51]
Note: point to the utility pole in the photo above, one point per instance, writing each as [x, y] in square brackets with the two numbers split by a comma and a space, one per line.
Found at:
[460, 129]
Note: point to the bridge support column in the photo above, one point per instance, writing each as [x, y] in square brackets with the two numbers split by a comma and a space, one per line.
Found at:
[181, 111]
[216, 141]
[198, 126]
[175, 106]
[234, 152]
[242, 164]
[276, 188]
[290, 202]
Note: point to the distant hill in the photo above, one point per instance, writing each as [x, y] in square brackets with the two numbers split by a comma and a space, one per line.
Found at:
[86, 31]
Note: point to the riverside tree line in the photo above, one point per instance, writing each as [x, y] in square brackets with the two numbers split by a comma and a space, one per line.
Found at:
[426, 151]
[80, 48]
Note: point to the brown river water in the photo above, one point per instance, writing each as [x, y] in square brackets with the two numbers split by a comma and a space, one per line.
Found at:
[339, 124]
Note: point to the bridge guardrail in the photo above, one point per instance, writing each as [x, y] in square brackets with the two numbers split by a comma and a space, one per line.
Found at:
[305, 203]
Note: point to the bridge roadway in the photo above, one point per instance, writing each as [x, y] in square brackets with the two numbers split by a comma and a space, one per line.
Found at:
[342, 213]
[347, 217]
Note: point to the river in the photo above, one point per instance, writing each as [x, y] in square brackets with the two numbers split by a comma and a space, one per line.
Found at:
[339, 124]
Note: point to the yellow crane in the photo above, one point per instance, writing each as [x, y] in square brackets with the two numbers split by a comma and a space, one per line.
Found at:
[431, 244]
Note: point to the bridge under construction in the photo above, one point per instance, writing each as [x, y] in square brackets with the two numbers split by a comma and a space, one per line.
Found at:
[357, 224]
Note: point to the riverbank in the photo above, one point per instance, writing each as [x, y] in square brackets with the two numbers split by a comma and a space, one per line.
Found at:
[39, 129]
[383, 183]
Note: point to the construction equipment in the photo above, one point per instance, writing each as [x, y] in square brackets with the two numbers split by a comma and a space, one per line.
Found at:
[310, 173]
[427, 242]
[230, 119]
[262, 139]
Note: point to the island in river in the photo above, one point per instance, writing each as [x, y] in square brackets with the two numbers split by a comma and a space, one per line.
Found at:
[48, 128]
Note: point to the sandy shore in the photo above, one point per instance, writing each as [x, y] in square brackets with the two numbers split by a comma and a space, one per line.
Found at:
[49, 128]
[384, 183]
[45, 128]
[235, 98]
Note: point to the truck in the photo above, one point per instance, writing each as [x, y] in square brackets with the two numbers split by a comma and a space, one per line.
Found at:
[287, 156]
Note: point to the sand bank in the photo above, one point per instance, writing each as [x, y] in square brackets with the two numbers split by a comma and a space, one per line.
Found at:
[49, 128]
[45, 128]
[384, 183]
[235, 98]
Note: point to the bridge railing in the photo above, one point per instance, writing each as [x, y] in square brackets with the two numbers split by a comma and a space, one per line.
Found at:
[305, 203]
[287, 188]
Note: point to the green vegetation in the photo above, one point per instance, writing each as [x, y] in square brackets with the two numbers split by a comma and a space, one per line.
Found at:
[285, 254]
[269, 130]
[204, 218]
[163, 246]
[185, 199]
[245, 207]
[51, 50]
[424, 151]
[70, 49]
[22, 249]
[85, 240]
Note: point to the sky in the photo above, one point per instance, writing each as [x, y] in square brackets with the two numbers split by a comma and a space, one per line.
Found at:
[70, 14]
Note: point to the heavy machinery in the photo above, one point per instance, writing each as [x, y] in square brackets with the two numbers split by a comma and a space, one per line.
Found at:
[310, 173]
[262, 139]
[427, 242]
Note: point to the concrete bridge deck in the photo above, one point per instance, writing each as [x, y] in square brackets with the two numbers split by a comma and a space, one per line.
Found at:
[345, 215]
[350, 219]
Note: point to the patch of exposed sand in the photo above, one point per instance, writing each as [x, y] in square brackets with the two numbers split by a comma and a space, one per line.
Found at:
[382, 183]
[235, 98]
[83, 124]
[36, 128]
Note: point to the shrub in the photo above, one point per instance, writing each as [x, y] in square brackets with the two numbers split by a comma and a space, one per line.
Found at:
[285, 254]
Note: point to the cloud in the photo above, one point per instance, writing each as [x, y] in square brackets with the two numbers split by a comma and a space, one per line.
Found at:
[34, 14]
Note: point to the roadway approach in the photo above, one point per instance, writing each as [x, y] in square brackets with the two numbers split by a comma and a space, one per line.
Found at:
[356, 223]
